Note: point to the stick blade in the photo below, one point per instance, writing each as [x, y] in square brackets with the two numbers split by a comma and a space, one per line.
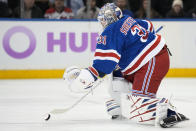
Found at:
[59, 111]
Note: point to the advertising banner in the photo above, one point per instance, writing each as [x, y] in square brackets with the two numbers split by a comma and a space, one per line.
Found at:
[48, 45]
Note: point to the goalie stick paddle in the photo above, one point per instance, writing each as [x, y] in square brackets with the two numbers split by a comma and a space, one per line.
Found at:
[63, 110]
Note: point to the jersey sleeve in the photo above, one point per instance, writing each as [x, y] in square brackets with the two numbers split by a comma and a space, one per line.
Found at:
[146, 24]
[108, 50]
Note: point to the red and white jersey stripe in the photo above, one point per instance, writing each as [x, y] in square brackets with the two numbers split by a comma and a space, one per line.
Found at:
[110, 54]
[150, 25]
[94, 71]
[145, 55]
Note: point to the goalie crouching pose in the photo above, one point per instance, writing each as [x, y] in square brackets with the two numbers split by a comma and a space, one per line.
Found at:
[138, 58]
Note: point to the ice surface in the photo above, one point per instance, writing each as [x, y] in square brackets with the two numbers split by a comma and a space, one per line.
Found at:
[23, 104]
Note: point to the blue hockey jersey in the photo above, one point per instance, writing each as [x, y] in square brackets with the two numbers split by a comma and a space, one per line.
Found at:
[129, 43]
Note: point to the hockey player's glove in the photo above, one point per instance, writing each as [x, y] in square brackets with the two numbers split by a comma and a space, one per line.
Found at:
[80, 80]
[86, 78]
[70, 74]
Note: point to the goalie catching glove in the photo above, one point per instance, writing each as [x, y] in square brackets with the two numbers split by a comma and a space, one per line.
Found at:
[80, 80]
[70, 74]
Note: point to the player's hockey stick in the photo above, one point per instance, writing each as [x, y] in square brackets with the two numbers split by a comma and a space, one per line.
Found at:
[63, 110]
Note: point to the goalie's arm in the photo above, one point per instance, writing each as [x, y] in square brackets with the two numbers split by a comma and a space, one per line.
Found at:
[107, 56]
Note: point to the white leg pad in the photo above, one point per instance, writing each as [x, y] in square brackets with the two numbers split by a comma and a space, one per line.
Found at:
[113, 108]
[117, 86]
[143, 110]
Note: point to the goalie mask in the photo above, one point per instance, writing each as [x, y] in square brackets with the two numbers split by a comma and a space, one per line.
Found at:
[108, 14]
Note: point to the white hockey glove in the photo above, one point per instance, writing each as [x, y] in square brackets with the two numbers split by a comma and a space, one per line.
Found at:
[79, 80]
[70, 74]
[85, 80]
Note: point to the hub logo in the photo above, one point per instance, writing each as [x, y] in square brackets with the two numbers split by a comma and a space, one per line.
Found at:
[10, 51]
[51, 42]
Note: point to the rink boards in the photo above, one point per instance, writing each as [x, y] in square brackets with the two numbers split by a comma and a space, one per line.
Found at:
[55, 73]
[43, 49]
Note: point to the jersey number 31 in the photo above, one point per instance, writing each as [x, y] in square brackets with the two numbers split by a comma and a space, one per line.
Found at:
[137, 29]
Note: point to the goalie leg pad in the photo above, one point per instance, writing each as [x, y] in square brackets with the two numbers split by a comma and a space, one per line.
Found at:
[141, 109]
[113, 108]
[117, 86]
[120, 85]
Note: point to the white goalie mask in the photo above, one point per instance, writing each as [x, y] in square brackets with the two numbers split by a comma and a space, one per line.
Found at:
[108, 14]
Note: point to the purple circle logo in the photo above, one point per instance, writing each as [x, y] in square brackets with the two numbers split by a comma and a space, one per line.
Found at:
[10, 51]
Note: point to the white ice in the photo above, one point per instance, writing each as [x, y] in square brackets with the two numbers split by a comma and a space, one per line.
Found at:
[23, 104]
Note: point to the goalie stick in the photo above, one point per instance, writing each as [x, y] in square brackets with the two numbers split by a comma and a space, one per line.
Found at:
[63, 110]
